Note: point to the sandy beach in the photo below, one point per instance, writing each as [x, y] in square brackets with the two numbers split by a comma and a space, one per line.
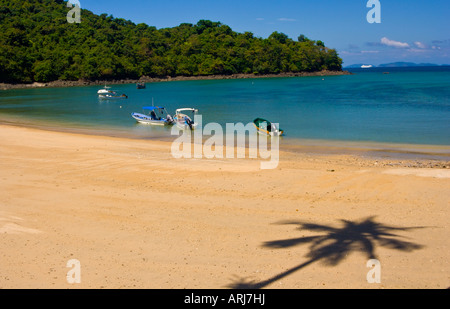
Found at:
[135, 217]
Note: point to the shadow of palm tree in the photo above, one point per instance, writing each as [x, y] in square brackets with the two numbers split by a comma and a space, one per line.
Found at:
[335, 243]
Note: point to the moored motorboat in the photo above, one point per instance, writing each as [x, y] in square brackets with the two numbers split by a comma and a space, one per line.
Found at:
[108, 93]
[265, 127]
[154, 115]
[185, 121]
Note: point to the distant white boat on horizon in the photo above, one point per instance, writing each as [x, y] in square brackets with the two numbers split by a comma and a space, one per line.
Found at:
[366, 66]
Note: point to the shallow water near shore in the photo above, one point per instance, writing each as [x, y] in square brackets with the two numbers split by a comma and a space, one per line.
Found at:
[383, 111]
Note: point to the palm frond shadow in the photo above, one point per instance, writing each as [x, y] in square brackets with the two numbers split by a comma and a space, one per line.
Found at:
[333, 244]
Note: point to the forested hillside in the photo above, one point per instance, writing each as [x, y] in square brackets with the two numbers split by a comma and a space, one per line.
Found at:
[38, 44]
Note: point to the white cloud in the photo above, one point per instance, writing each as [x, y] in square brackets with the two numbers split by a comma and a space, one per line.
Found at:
[260, 18]
[286, 19]
[392, 43]
[420, 45]
[418, 50]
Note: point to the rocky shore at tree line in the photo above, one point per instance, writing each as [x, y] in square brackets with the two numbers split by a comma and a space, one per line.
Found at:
[146, 79]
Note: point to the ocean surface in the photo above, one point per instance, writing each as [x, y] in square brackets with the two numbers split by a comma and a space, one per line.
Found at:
[406, 106]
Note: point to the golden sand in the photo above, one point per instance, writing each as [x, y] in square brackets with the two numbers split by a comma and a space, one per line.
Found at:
[135, 217]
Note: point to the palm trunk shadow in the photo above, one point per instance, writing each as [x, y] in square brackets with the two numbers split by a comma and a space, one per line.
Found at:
[259, 285]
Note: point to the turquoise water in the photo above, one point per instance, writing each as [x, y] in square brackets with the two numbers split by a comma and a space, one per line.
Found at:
[410, 106]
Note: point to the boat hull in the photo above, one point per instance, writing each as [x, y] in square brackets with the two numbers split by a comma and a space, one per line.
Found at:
[263, 129]
[185, 126]
[144, 119]
[109, 97]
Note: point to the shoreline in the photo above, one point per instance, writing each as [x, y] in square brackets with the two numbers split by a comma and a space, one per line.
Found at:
[146, 79]
[370, 149]
[382, 153]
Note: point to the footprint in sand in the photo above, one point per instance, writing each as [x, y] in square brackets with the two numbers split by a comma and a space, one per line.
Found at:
[435, 173]
[7, 226]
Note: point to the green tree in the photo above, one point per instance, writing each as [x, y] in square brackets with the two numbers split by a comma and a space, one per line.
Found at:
[280, 37]
[37, 44]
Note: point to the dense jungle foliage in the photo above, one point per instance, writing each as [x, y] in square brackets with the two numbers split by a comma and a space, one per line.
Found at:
[37, 43]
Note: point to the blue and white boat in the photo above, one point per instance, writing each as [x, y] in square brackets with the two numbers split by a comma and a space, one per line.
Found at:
[154, 115]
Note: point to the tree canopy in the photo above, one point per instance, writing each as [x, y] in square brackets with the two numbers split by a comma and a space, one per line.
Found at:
[38, 44]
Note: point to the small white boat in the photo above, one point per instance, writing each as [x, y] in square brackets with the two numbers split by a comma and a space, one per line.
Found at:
[153, 115]
[107, 93]
[185, 121]
[366, 66]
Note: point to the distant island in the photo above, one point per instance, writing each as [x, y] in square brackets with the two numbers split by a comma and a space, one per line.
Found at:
[406, 64]
[38, 45]
[394, 65]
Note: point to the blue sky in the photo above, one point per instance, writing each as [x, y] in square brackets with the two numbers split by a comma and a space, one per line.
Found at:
[413, 30]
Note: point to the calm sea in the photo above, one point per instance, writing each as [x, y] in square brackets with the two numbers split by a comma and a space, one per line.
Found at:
[407, 106]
